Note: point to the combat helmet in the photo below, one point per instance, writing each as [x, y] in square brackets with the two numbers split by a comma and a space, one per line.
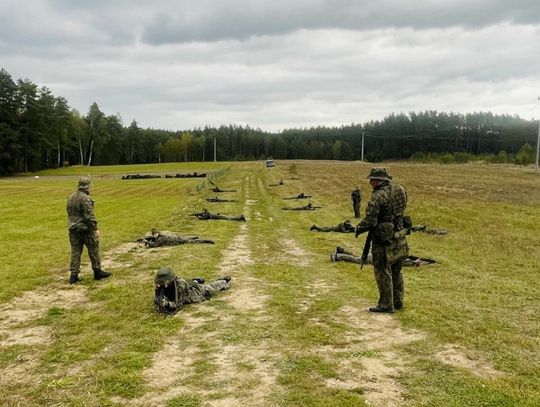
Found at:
[166, 294]
[164, 276]
[379, 174]
[84, 183]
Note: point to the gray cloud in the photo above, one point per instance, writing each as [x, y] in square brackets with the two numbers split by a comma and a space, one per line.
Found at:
[275, 64]
[240, 19]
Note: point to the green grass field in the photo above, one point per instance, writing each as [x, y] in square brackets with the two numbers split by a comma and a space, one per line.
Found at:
[293, 330]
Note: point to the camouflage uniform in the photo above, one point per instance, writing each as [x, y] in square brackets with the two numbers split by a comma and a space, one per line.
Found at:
[430, 231]
[217, 199]
[83, 231]
[308, 207]
[344, 255]
[301, 195]
[158, 239]
[345, 227]
[206, 215]
[172, 292]
[384, 216]
[356, 197]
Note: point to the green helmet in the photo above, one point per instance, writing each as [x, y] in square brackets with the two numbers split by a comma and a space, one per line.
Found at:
[379, 174]
[84, 183]
[164, 276]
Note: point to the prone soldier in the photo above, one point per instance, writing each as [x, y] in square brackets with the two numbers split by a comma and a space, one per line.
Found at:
[218, 189]
[344, 255]
[158, 238]
[206, 215]
[344, 227]
[172, 292]
[215, 198]
[430, 231]
[301, 195]
[308, 207]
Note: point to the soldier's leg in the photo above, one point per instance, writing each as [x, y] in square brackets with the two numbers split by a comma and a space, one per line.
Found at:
[356, 210]
[324, 229]
[398, 284]
[347, 257]
[212, 288]
[383, 277]
[77, 244]
[92, 244]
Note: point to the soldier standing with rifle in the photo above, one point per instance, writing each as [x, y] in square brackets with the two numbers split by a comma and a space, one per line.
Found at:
[384, 224]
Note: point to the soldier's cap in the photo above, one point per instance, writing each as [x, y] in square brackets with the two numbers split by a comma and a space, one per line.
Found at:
[154, 231]
[164, 276]
[84, 183]
[379, 174]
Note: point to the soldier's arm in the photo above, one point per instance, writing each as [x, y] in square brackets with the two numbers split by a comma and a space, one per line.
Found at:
[372, 212]
[88, 213]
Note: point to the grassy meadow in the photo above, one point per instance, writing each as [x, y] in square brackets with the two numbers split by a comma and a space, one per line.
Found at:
[293, 330]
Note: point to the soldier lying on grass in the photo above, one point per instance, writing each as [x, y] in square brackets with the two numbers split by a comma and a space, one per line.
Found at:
[308, 207]
[215, 198]
[157, 239]
[344, 255]
[172, 292]
[206, 215]
[218, 189]
[428, 230]
[344, 227]
[301, 195]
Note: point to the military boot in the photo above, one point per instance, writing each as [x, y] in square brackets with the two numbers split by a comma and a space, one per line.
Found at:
[73, 278]
[99, 274]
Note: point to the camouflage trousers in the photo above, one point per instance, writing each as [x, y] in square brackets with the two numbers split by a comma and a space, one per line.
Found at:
[356, 207]
[389, 278]
[196, 292]
[78, 241]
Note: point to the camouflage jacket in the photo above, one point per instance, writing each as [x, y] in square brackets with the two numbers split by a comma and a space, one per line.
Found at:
[387, 205]
[80, 210]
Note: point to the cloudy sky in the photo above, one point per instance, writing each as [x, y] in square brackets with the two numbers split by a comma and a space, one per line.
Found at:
[277, 64]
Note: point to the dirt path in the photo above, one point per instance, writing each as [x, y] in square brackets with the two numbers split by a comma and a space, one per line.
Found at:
[241, 374]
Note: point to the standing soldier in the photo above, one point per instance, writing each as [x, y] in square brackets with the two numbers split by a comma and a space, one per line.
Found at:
[384, 222]
[83, 231]
[356, 197]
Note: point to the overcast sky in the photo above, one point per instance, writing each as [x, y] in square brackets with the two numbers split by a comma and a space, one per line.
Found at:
[277, 64]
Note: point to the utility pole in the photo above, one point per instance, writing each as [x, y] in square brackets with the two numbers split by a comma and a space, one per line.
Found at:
[215, 160]
[538, 143]
[362, 157]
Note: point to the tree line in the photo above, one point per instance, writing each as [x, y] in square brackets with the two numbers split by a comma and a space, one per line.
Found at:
[39, 130]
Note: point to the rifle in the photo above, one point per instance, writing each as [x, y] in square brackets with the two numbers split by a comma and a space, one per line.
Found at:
[196, 214]
[367, 246]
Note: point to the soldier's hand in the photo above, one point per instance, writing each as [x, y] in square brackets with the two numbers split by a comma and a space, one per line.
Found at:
[96, 234]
